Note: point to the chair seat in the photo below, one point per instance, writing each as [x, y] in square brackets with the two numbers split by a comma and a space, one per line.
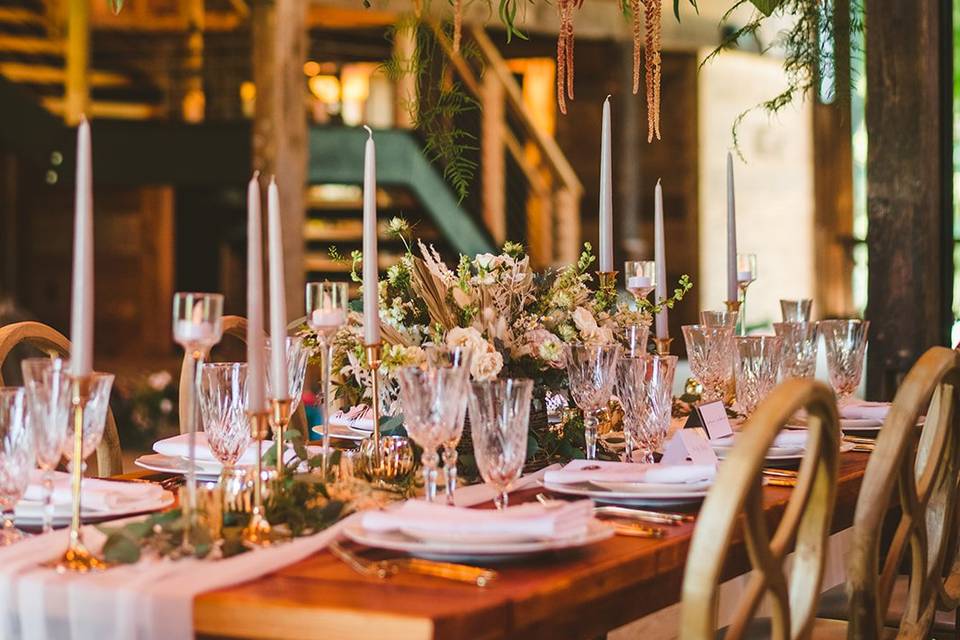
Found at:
[823, 629]
[834, 605]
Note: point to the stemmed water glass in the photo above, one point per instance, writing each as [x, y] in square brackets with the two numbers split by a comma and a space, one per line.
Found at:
[640, 278]
[16, 458]
[658, 391]
[431, 398]
[457, 357]
[746, 274]
[94, 418]
[326, 313]
[592, 371]
[800, 341]
[631, 388]
[197, 327]
[796, 310]
[292, 387]
[223, 408]
[499, 418]
[634, 339]
[711, 318]
[710, 350]
[758, 362]
[846, 342]
[48, 390]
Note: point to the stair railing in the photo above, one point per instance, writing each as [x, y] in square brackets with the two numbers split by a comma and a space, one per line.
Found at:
[553, 204]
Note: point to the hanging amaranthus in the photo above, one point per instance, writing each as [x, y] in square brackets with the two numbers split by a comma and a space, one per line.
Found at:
[651, 59]
[565, 53]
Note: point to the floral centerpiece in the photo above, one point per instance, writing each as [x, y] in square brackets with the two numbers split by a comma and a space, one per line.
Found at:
[515, 321]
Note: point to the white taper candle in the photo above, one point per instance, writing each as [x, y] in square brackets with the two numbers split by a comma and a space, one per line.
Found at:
[278, 290]
[81, 309]
[660, 256]
[371, 305]
[606, 192]
[732, 289]
[256, 382]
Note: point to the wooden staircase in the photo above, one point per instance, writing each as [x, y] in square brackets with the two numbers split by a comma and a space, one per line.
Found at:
[32, 56]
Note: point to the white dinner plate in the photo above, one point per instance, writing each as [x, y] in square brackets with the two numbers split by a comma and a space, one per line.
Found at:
[465, 537]
[470, 551]
[647, 488]
[175, 464]
[628, 498]
[849, 424]
[340, 432]
[29, 513]
[776, 455]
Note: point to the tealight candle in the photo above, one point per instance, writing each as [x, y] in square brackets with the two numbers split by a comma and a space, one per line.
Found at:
[744, 276]
[187, 331]
[327, 318]
[638, 282]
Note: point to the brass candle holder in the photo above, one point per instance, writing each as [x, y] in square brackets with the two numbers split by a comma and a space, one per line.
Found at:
[77, 558]
[733, 306]
[663, 346]
[258, 530]
[279, 419]
[383, 460]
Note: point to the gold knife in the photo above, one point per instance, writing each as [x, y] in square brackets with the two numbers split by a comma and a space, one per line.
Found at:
[448, 570]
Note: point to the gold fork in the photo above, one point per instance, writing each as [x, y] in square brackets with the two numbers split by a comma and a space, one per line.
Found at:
[383, 569]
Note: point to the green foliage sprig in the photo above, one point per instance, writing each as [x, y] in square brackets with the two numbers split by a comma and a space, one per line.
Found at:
[684, 284]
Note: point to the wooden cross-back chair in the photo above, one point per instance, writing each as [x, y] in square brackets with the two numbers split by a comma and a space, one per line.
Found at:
[235, 326]
[48, 340]
[805, 525]
[924, 476]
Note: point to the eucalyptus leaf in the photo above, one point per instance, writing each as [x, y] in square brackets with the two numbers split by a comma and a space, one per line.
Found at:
[121, 549]
[766, 7]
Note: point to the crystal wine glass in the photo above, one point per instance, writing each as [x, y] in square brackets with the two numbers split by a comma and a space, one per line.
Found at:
[758, 362]
[431, 399]
[94, 418]
[592, 370]
[796, 310]
[634, 339]
[710, 350]
[499, 419]
[48, 390]
[326, 312]
[846, 342]
[711, 318]
[16, 458]
[223, 408]
[197, 327]
[640, 278]
[292, 387]
[800, 341]
[656, 416]
[746, 274]
[631, 388]
[444, 356]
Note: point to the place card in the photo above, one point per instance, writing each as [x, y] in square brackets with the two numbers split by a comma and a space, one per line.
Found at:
[688, 446]
[711, 419]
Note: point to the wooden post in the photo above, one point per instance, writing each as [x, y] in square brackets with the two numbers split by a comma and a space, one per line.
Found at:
[909, 194]
[628, 164]
[405, 97]
[833, 183]
[77, 89]
[566, 207]
[280, 136]
[493, 158]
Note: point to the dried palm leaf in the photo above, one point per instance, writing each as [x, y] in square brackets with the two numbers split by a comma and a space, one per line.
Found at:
[434, 294]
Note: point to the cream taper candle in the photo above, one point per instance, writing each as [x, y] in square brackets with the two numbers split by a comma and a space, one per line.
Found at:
[732, 289]
[81, 302]
[278, 289]
[256, 382]
[371, 306]
[606, 192]
[660, 256]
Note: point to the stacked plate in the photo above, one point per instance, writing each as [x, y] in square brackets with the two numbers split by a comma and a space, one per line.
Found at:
[454, 534]
[632, 484]
[788, 447]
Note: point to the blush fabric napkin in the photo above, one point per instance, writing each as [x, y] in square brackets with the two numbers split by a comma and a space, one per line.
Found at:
[604, 471]
[531, 520]
[787, 439]
[98, 495]
[863, 410]
[179, 447]
[356, 417]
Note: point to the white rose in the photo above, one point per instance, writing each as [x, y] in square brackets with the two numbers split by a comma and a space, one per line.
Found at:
[467, 337]
[584, 320]
[487, 366]
[485, 260]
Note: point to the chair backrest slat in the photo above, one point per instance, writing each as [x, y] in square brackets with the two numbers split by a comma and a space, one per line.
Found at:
[804, 527]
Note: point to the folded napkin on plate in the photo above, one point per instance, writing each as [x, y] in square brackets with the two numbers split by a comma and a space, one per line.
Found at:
[862, 410]
[358, 417]
[179, 447]
[535, 520]
[98, 495]
[602, 471]
[791, 439]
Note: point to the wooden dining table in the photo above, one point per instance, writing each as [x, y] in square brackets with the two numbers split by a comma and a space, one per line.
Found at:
[578, 594]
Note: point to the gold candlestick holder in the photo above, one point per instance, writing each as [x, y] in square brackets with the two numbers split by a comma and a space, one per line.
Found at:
[258, 530]
[663, 346]
[279, 419]
[733, 306]
[77, 558]
[383, 460]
